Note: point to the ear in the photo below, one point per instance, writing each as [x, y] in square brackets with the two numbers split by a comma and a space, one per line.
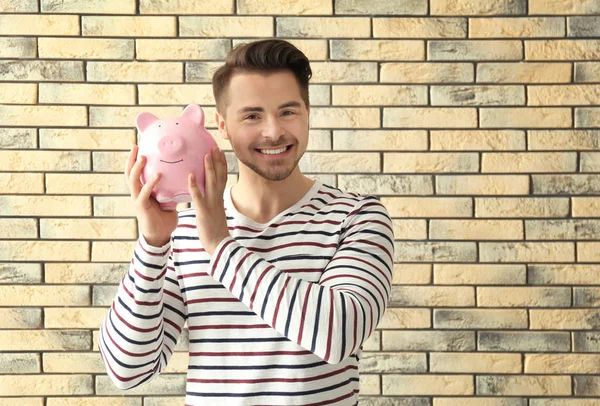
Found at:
[221, 125]
[194, 113]
[144, 120]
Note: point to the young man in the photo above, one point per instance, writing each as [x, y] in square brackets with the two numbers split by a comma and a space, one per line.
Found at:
[280, 278]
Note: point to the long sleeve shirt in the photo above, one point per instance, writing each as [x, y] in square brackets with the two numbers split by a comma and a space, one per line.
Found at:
[277, 315]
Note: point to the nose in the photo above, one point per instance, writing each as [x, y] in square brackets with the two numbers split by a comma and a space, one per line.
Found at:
[170, 146]
[273, 129]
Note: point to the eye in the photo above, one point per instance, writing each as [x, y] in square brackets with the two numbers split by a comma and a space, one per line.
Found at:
[176, 123]
[251, 117]
[159, 125]
[288, 111]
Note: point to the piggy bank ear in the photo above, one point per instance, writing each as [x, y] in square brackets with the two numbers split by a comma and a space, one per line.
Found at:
[194, 113]
[143, 120]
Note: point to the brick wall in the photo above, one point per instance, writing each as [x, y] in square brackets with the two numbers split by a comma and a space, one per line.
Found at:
[477, 122]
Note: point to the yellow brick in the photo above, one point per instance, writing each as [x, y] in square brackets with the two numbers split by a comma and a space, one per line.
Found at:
[524, 72]
[477, 140]
[562, 363]
[386, 184]
[21, 6]
[474, 7]
[527, 252]
[479, 274]
[84, 273]
[92, 139]
[585, 206]
[433, 296]
[378, 50]
[419, 27]
[413, 7]
[324, 27]
[587, 71]
[515, 385]
[178, 49]
[588, 252]
[525, 117]
[430, 162]
[42, 25]
[125, 116]
[395, 318]
[44, 161]
[339, 162]
[20, 318]
[310, 7]
[45, 205]
[370, 384]
[18, 138]
[121, 26]
[429, 117]
[113, 206]
[581, 49]
[70, 317]
[517, 27]
[85, 48]
[521, 207]
[42, 71]
[527, 162]
[43, 384]
[587, 117]
[112, 251]
[411, 274]
[44, 295]
[406, 229]
[349, 117]
[18, 93]
[460, 50]
[17, 47]
[64, 93]
[17, 229]
[426, 72]
[427, 385]
[43, 116]
[21, 183]
[23, 402]
[563, 319]
[523, 297]
[186, 7]
[427, 206]
[456, 362]
[95, 401]
[387, 95]
[83, 184]
[44, 340]
[563, 7]
[44, 251]
[89, 6]
[483, 184]
[79, 363]
[477, 95]
[93, 229]
[176, 94]
[563, 95]
[476, 230]
[139, 72]
[380, 140]
[589, 162]
[225, 26]
[109, 161]
[324, 72]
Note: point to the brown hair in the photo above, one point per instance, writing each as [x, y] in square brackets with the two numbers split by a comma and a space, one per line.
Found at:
[264, 56]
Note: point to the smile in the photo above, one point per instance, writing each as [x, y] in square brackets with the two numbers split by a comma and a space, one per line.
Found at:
[181, 160]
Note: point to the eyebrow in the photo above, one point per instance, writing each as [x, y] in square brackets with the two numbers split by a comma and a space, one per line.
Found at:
[260, 109]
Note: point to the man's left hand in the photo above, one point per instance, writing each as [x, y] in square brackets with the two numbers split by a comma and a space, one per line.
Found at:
[211, 221]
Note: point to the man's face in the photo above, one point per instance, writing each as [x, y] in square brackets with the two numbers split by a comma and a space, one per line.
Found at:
[266, 112]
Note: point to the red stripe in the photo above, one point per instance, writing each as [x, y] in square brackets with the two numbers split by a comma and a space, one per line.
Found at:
[131, 326]
[214, 267]
[355, 326]
[287, 280]
[260, 278]
[120, 378]
[211, 299]
[369, 221]
[131, 354]
[191, 275]
[337, 258]
[137, 301]
[247, 353]
[266, 380]
[154, 254]
[303, 314]
[355, 277]
[370, 243]
[237, 268]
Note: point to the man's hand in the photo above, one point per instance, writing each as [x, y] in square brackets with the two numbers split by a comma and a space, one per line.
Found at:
[211, 221]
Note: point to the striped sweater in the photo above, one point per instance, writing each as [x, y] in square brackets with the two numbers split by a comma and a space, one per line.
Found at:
[276, 316]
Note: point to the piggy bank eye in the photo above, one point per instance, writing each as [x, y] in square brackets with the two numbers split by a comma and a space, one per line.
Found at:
[176, 123]
[159, 125]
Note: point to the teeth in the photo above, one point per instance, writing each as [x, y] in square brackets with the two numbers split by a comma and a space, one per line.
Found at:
[273, 151]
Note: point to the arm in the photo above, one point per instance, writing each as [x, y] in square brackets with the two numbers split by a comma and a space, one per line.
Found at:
[139, 333]
[331, 318]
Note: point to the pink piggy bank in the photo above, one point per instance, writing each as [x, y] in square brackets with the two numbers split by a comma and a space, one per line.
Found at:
[175, 147]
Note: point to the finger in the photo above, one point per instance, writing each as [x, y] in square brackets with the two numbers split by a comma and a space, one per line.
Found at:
[131, 157]
[220, 167]
[193, 188]
[224, 168]
[210, 180]
[135, 185]
[146, 191]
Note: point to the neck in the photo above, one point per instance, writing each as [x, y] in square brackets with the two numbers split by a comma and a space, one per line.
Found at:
[261, 200]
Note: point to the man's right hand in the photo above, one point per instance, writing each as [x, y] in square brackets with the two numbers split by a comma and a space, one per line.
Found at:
[155, 224]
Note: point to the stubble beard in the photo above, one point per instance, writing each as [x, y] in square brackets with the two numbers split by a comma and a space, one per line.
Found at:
[273, 171]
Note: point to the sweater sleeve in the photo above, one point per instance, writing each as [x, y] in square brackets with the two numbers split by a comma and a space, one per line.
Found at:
[333, 317]
[138, 335]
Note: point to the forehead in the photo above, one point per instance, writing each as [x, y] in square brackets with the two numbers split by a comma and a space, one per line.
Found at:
[260, 89]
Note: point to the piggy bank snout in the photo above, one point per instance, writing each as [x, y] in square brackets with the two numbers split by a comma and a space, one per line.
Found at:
[170, 145]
